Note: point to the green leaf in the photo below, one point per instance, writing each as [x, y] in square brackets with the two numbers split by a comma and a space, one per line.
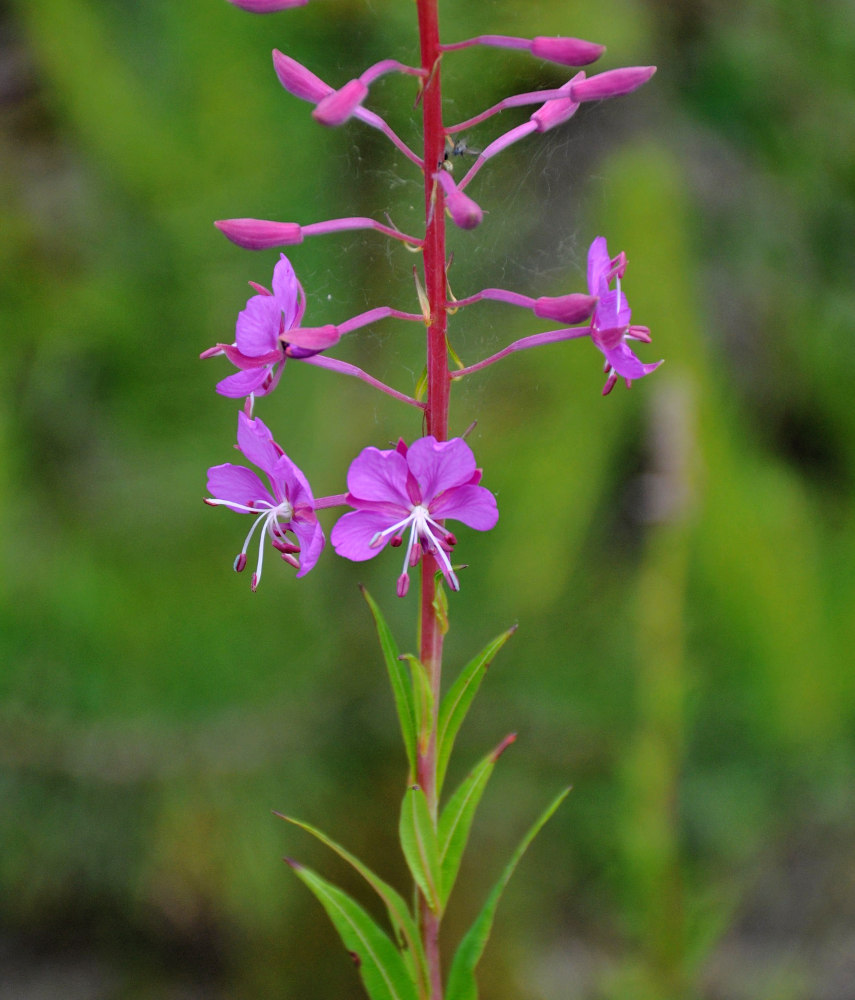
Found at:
[422, 700]
[456, 819]
[420, 392]
[402, 689]
[419, 844]
[456, 703]
[399, 915]
[440, 603]
[454, 356]
[380, 964]
[461, 978]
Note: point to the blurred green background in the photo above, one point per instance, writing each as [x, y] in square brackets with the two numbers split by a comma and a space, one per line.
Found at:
[680, 558]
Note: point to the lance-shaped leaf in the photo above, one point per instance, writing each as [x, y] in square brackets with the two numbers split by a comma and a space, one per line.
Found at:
[401, 687]
[461, 978]
[456, 819]
[380, 964]
[422, 700]
[419, 844]
[456, 703]
[399, 914]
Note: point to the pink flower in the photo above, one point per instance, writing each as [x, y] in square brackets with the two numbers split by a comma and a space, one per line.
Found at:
[610, 327]
[287, 506]
[416, 488]
[268, 332]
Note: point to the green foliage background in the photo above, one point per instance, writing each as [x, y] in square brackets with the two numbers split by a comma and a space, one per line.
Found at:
[680, 558]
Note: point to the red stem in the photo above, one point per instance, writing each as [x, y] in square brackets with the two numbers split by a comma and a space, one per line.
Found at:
[436, 419]
[436, 413]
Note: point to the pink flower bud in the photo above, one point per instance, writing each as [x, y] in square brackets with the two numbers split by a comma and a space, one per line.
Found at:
[299, 81]
[569, 309]
[612, 83]
[338, 106]
[566, 51]
[267, 6]
[465, 213]
[258, 234]
[561, 109]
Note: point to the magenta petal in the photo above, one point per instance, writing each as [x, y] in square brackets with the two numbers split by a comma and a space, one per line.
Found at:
[352, 534]
[598, 263]
[612, 315]
[311, 538]
[626, 364]
[286, 290]
[235, 484]
[257, 327]
[256, 442]
[441, 465]
[290, 482]
[245, 361]
[242, 383]
[379, 475]
[475, 506]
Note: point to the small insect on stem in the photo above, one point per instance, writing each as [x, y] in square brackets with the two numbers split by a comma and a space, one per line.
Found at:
[454, 149]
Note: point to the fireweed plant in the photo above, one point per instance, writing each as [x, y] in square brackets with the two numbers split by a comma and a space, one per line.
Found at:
[404, 496]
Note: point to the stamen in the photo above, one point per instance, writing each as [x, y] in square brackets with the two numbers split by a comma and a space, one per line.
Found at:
[375, 541]
[441, 556]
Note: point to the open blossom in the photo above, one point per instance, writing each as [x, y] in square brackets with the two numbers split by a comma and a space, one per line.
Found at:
[610, 326]
[288, 506]
[413, 490]
[267, 333]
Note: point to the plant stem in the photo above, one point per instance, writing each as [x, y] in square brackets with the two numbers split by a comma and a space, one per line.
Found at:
[436, 421]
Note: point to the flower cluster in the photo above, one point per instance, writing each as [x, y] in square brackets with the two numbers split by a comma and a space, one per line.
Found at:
[403, 496]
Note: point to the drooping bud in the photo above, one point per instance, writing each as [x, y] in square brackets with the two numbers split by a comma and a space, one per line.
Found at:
[337, 107]
[566, 51]
[298, 80]
[259, 234]
[569, 309]
[464, 212]
[267, 6]
[612, 83]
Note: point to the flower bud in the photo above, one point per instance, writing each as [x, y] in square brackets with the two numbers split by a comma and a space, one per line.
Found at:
[267, 6]
[298, 80]
[569, 309]
[338, 106]
[559, 110]
[566, 51]
[464, 212]
[258, 234]
[612, 83]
